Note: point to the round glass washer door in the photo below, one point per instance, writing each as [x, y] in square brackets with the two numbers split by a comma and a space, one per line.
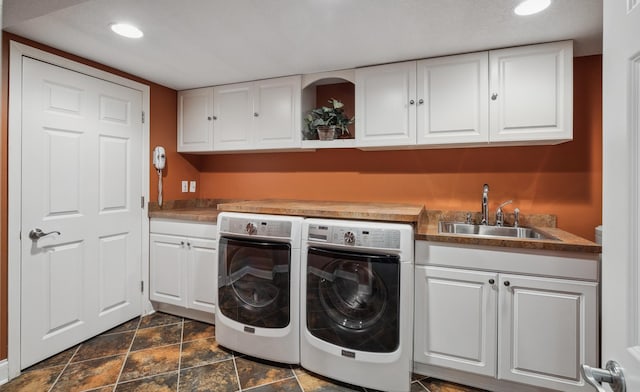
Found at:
[352, 294]
[251, 274]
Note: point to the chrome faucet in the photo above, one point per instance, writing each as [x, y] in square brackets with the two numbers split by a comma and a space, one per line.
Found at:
[485, 205]
[500, 214]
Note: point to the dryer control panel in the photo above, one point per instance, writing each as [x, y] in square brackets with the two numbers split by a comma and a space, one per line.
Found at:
[254, 226]
[355, 236]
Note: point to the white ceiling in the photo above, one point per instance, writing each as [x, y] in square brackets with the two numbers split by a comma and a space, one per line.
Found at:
[195, 43]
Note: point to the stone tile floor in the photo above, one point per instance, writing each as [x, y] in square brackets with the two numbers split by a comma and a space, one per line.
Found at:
[161, 352]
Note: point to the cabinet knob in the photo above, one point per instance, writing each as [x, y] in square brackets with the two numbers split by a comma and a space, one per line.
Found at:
[491, 281]
[412, 102]
[255, 114]
[494, 96]
[421, 101]
[507, 283]
[189, 244]
[181, 243]
[209, 118]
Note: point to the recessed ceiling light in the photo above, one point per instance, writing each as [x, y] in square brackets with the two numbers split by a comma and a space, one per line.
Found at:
[530, 7]
[126, 30]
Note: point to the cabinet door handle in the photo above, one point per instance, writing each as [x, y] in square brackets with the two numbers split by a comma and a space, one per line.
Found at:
[421, 101]
[494, 96]
[491, 281]
[255, 114]
[507, 283]
[412, 102]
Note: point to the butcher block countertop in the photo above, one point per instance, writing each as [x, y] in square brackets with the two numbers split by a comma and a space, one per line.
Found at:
[390, 212]
[424, 221]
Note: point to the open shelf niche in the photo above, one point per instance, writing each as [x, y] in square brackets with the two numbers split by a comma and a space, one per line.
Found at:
[317, 89]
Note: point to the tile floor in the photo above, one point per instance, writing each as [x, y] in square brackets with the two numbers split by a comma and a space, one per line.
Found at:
[161, 352]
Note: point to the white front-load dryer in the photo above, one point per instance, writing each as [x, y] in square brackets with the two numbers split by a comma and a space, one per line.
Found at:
[357, 302]
[258, 285]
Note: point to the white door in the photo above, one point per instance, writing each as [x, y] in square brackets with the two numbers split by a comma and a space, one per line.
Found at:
[168, 269]
[453, 99]
[277, 121]
[202, 272]
[233, 113]
[531, 93]
[386, 105]
[195, 120]
[546, 329]
[456, 319]
[81, 171]
[621, 188]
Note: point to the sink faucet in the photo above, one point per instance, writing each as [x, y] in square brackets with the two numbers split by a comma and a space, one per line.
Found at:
[485, 205]
[500, 214]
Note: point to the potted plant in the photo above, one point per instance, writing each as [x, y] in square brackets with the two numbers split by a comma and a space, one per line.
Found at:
[327, 122]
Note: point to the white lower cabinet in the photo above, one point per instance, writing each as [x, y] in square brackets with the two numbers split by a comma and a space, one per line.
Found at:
[510, 329]
[183, 268]
[456, 319]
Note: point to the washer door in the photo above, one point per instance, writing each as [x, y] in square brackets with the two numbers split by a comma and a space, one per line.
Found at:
[353, 299]
[254, 282]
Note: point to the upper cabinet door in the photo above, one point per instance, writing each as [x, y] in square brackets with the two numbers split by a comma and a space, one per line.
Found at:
[276, 117]
[532, 93]
[386, 105]
[233, 111]
[195, 120]
[452, 99]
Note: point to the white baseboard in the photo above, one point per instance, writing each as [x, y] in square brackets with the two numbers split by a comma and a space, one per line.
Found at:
[4, 371]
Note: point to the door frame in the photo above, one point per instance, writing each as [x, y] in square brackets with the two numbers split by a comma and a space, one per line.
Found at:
[17, 51]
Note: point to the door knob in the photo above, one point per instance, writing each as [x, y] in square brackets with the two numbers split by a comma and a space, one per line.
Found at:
[37, 233]
[612, 375]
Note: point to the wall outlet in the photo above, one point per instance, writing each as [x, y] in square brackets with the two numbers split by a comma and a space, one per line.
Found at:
[185, 186]
[192, 186]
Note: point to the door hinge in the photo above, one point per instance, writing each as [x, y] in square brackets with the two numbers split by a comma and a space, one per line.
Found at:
[142, 286]
[143, 117]
[141, 201]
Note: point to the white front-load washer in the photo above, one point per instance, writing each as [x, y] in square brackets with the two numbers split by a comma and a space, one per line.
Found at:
[356, 298]
[258, 285]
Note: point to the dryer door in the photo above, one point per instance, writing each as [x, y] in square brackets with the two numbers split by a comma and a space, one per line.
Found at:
[254, 282]
[353, 299]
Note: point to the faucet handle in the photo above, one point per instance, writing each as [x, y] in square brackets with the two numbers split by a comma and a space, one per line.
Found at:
[468, 220]
[504, 204]
[500, 214]
[516, 219]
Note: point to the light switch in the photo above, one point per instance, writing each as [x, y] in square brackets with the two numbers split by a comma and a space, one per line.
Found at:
[185, 186]
[192, 186]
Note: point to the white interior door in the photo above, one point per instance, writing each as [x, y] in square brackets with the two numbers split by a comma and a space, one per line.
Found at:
[621, 188]
[81, 170]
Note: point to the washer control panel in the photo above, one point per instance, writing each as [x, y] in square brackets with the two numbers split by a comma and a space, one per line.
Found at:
[354, 236]
[255, 227]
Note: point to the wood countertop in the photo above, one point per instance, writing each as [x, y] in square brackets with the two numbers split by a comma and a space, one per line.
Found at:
[391, 212]
[424, 221]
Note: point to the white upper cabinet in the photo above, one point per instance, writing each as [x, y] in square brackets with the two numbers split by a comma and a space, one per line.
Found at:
[386, 105]
[532, 93]
[233, 108]
[452, 100]
[258, 115]
[195, 120]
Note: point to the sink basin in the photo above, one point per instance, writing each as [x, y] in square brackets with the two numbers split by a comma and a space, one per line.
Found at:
[492, 231]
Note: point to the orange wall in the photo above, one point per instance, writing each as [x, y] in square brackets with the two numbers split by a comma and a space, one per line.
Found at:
[565, 180]
[162, 120]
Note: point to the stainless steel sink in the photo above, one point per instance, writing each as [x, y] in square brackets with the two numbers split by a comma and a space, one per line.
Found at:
[492, 231]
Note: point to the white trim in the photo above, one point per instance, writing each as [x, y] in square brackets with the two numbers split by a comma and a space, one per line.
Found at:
[17, 51]
[4, 371]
